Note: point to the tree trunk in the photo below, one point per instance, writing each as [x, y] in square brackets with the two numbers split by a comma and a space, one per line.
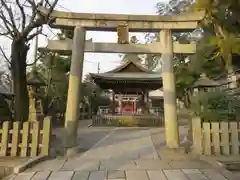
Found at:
[19, 54]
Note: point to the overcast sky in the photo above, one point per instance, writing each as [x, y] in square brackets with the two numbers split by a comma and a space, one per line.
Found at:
[107, 61]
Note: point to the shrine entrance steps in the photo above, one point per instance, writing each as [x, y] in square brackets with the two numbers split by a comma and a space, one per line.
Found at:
[125, 154]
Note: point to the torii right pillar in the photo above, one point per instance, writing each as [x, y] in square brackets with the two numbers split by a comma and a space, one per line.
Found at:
[169, 90]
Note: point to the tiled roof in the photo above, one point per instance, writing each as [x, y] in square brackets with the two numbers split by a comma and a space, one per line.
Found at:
[128, 59]
[128, 76]
[116, 73]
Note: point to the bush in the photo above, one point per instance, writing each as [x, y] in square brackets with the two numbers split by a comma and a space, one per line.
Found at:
[215, 106]
[5, 111]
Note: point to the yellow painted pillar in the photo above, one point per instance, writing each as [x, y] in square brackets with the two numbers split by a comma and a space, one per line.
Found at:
[74, 87]
[169, 90]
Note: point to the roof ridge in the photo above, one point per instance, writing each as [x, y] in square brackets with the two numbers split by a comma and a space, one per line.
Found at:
[127, 62]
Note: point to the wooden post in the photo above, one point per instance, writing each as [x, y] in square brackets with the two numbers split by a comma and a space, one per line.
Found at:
[169, 90]
[15, 138]
[47, 134]
[197, 135]
[4, 139]
[35, 139]
[25, 136]
[75, 80]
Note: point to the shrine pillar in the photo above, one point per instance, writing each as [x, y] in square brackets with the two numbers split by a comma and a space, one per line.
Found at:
[135, 105]
[74, 87]
[120, 103]
[145, 100]
[169, 90]
[113, 102]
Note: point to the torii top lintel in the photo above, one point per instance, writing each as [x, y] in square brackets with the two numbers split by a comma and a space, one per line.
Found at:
[136, 23]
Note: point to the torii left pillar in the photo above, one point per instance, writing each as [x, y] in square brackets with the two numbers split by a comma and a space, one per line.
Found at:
[74, 87]
[169, 90]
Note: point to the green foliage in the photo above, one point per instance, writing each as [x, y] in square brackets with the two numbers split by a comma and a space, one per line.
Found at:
[221, 29]
[53, 70]
[93, 96]
[215, 105]
[216, 45]
[5, 112]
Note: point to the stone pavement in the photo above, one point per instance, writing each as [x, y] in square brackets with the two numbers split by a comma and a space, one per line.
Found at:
[124, 154]
[87, 137]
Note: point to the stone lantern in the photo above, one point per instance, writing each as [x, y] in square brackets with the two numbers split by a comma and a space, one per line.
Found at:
[204, 84]
[35, 83]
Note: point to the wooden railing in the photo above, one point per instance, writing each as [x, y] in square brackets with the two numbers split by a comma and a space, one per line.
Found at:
[25, 139]
[153, 110]
[215, 138]
[128, 120]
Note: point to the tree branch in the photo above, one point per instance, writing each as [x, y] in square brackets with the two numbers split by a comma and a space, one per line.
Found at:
[6, 23]
[41, 19]
[11, 16]
[4, 55]
[22, 13]
[31, 36]
[38, 58]
[30, 26]
[4, 33]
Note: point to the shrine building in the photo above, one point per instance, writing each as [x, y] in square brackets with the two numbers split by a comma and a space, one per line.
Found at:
[130, 84]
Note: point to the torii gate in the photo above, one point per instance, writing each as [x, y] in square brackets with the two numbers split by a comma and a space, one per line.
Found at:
[81, 22]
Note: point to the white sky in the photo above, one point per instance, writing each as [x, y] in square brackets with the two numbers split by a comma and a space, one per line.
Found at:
[107, 61]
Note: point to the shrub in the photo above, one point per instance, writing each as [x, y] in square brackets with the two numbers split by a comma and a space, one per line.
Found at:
[215, 106]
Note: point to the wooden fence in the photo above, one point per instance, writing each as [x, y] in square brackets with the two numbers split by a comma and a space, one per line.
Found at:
[215, 138]
[128, 120]
[25, 139]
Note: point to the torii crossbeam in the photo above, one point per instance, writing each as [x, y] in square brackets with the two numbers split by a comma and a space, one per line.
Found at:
[136, 23]
[65, 47]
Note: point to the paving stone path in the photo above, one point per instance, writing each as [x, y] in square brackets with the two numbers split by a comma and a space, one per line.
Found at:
[124, 154]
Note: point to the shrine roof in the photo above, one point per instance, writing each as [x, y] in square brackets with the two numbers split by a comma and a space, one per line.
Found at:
[123, 72]
[130, 59]
[128, 76]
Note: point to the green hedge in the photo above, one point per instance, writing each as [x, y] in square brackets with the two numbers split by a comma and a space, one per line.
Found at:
[216, 106]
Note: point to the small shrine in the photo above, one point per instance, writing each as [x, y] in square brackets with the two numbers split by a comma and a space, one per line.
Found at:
[130, 84]
[35, 83]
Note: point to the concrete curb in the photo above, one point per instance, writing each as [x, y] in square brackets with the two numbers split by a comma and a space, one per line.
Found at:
[10, 177]
[30, 163]
[215, 163]
[26, 165]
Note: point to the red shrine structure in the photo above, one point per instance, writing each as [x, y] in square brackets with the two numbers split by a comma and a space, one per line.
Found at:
[130, 84]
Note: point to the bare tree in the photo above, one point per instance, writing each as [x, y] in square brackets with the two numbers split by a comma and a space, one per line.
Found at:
[20, 21]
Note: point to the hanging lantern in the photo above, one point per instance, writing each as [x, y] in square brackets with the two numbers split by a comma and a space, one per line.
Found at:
[123, 35]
